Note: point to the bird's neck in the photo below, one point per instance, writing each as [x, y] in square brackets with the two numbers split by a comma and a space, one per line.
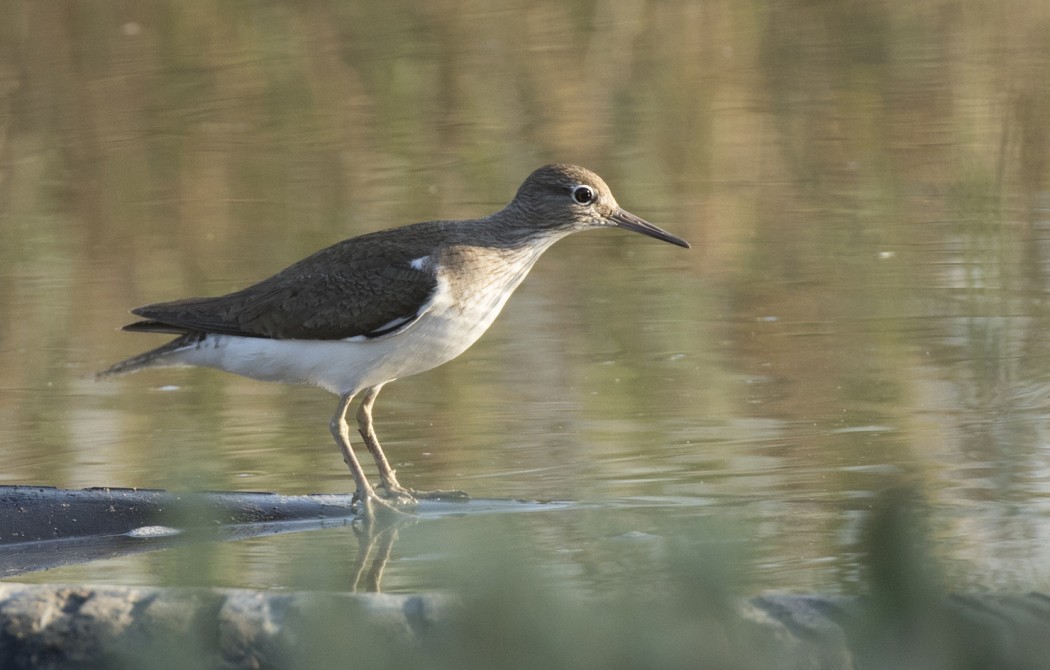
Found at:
[513, 229]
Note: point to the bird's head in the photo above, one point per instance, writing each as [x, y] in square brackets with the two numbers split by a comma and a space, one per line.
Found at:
[568, 198]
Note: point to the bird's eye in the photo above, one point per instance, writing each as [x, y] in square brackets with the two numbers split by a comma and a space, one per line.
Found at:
[584, 194]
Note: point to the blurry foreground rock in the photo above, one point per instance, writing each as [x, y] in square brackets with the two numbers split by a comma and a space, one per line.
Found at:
[51, 627]
[48, 626]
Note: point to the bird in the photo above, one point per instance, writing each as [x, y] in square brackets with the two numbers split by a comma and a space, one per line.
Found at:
[381, 306]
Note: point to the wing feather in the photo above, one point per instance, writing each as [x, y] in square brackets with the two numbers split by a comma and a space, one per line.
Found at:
[358, 287]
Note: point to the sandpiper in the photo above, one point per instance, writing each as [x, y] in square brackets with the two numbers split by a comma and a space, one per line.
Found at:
[374, 308]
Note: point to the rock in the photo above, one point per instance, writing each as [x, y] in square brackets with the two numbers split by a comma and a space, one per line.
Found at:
[48, 627]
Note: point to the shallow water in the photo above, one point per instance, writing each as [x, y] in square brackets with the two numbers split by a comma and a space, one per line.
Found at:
[864, 307]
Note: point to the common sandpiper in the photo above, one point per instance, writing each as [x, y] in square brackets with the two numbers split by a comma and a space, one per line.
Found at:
[374, 308]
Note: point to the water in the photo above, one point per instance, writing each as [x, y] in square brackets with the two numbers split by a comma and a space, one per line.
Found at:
[864, 307]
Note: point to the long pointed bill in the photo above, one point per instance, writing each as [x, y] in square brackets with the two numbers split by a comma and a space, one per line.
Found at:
[624, 219]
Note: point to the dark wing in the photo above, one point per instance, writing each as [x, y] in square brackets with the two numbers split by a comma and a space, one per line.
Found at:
[366, 286]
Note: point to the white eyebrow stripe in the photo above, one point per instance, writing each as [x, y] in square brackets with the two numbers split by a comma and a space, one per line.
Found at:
[420, 263]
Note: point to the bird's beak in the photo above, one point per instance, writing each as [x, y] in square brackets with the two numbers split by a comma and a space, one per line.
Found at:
[624, 219]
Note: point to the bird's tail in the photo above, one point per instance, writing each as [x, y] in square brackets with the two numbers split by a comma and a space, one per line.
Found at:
[152, 357]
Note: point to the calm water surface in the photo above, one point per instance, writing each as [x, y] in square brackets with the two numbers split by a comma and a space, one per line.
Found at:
[867, 188]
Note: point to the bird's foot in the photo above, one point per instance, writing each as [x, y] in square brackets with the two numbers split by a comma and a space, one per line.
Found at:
[396, 492]
[372, 505]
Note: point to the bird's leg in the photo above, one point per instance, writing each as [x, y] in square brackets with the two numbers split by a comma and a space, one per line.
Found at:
[368, 434]
[386, 473]
[341, 432]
